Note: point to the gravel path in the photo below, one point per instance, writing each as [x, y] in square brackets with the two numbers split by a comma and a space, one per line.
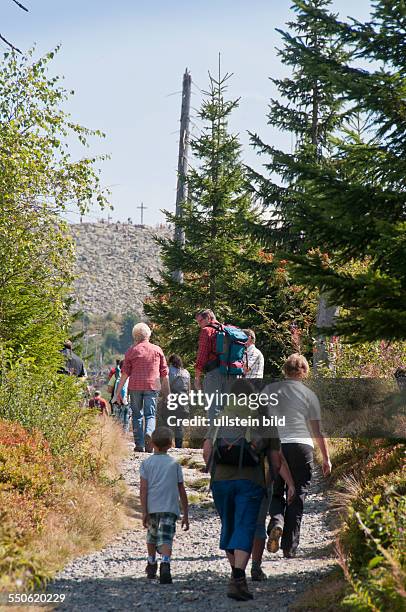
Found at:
[114, 578]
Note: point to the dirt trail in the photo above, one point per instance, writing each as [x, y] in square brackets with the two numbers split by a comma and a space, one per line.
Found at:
[114, 578]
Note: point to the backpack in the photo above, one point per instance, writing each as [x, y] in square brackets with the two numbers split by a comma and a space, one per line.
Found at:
[230, 349]
[180, 383]
[237, 450]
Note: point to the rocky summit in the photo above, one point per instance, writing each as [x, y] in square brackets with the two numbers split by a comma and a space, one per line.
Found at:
[113, 261]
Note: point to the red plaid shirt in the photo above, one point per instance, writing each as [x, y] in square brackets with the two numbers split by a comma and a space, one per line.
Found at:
[144, 363]
[207, 346]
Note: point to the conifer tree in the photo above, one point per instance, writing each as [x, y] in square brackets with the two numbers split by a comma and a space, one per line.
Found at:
[215, 243]
[350, 208]
[223, 268]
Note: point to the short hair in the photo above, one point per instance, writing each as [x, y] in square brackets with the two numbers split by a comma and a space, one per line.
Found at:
[206, 314]
[250, 333]
[175, 360]
[141, 331]
[295, 364]
[97, 393]
[162, 437]
[67, 344]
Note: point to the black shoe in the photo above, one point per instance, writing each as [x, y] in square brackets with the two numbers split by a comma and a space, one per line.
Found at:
[139, 449]
[258, 574]
[148, 444]
[151, 570]
[289, 554]
[165, 573]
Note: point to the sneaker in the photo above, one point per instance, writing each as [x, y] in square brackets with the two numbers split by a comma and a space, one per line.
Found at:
[151, 570]
[165, 573]
[238, 589]
[139, 449]
[148, 444]
[258, 574]
[274, 537]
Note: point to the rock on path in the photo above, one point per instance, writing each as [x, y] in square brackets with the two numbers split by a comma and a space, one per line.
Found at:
[114, 579]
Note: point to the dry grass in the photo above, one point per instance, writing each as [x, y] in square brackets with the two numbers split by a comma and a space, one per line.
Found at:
[88, 513]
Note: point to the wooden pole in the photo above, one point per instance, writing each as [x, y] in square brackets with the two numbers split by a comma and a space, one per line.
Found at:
[181, 190]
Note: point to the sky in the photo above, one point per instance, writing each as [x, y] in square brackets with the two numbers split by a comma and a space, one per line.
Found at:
[125, 61]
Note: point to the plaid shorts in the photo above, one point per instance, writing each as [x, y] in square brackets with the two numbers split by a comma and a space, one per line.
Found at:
[161, 528]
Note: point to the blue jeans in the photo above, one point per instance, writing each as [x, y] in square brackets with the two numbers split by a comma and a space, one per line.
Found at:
[143, 405]
[124, 416]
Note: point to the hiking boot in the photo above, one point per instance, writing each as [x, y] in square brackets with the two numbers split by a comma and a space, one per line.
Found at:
[139, 449]
[165, 573]
[151, 570]
[238, 589]
[289, 554]
[258, 574]
[148, 444]
[274, 537]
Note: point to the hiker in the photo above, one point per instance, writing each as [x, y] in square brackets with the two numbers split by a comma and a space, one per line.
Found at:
[121, 410]
[144, 365]
[301, 407]
[74, 365]
[161, 486]
[98, 402]
[235, 457]
[179, 382]
[113, 377]
[254, 359]
[208, 359]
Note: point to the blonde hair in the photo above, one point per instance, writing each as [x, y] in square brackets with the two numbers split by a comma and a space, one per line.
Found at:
[141, 331]
[296, 364]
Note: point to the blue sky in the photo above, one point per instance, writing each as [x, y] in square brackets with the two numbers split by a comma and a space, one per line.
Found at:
[125, 59]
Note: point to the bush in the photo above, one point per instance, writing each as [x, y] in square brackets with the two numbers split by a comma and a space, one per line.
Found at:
[372, 542]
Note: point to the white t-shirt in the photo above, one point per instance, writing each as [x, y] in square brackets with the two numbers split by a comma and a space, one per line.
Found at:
[298, 404]
[163, 475]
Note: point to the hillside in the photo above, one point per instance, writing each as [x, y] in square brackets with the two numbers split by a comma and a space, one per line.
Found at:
[113, 261]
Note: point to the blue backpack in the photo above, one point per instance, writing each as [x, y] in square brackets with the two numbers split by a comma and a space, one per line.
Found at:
[230, 349]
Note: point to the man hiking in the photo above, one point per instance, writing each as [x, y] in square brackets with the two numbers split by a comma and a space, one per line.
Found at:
[217, 365]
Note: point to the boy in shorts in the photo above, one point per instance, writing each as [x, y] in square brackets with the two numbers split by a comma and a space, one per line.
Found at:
[160, 489]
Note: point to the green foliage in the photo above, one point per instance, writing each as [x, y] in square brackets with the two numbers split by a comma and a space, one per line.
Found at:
[375, 539]
[350, 204]
[38, 180]
[223, 268]
[45, 401]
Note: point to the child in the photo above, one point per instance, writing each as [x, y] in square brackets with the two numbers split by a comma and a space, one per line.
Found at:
[161, 487]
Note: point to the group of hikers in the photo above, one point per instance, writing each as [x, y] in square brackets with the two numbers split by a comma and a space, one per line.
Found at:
[255, 471]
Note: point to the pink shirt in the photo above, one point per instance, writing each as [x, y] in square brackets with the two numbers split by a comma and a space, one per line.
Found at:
[144, 363]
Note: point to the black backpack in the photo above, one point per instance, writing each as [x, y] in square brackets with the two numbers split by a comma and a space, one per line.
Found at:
[234, 450]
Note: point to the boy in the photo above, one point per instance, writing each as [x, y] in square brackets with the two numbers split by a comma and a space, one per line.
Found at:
[160, 488]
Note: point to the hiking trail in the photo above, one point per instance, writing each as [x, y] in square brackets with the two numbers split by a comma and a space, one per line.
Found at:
[113, 579]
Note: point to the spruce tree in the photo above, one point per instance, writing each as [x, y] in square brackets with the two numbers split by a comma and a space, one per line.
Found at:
[310, 111]
[213, 221]
[223, 268]
[351, 206]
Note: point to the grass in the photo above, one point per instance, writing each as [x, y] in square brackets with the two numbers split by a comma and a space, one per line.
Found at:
[79, 514]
